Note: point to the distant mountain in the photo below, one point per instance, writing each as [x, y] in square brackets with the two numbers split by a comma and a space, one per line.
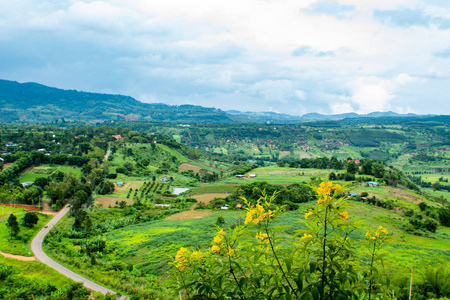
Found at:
[29, 103]
[35, 103]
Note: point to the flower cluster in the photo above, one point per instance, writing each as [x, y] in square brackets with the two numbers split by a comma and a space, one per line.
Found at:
[377, 234]
[324, 191]
[258, 214]
[180, 259]
[219, 243]
[305, 237]
[264, 237]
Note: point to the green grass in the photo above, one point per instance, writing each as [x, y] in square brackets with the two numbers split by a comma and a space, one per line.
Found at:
[27, 177]
[213, 188]
[21, 245]
[277, 175]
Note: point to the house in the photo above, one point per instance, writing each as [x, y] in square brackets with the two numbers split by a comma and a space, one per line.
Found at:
[27, 184]
[165, 179]
[239, 176]
[252, 175]
[226, 206]
[117, 137]
[119, 183]
[1, 159]
[372, 183]
[163, 205]
[352, 195]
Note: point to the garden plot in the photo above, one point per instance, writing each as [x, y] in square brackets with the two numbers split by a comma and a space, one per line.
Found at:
[191, 214]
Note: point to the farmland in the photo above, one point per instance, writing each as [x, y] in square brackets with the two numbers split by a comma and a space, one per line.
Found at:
[126, 225]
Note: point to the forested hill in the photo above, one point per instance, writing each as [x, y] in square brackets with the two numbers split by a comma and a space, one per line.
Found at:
[35, 103]
[28, 103]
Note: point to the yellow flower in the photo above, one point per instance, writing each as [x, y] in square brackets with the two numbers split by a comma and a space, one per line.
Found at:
[216, 248]
[322, 200]
[180, 253]
[217, 239]
[308, 214]
[230, 251]
[373, 238]
[337, 187]
[248, 218]
[256, 221]
[221, 232]
[254, 211]
[269, 214]
[196, 255]
[377, 234]
[263, 237]
[380, 227]
[343, 216]
[306, 236]
[368, 234]
[260, 208]
[385, 231]
[181, 266]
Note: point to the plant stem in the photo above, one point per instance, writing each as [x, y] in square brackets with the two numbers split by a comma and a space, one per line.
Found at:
[371, 269]
[324, 253]
[235, 279]
[279, 264]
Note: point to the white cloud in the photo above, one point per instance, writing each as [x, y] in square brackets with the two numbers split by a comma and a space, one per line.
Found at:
[232, 53]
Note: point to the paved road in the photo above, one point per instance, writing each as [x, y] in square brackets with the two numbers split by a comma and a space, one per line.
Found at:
[36, 247]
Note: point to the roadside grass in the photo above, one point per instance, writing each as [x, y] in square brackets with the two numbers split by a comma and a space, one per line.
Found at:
[20, 245]
[36, 272]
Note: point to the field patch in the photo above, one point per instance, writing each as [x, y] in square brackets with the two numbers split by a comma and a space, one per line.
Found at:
[206, 198]
[107, 201]
[188, 166]
[191, 214]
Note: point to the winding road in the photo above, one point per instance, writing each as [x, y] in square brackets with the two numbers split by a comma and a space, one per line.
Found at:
[36, 247]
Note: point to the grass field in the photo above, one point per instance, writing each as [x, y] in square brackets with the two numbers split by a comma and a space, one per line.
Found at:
[277, 175]
[33, 173]
[20, 246]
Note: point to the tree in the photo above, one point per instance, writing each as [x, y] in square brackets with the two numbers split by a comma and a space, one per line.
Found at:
[13, 225]
[352, 167]
[377, 169]
[30, 219]
[332, 176]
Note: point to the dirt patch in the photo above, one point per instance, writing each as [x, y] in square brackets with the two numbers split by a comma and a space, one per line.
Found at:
[6, 165]
[191, 214]
[128, 185]
[107, 201]
[18, 257]
[285, 153]
[188, 166]
[401, 194]
[206, 198]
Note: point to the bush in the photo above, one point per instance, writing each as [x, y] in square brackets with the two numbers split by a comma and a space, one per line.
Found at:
[255, 261]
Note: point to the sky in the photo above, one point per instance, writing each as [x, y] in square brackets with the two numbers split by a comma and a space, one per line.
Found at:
[285, 56]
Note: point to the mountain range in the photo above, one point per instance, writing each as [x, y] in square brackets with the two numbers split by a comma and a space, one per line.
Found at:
[28, 103]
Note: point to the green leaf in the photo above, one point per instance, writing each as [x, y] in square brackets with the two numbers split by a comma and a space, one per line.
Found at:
[315, 294]
[299, 282]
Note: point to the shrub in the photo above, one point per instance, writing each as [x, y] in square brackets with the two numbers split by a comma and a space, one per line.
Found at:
[256, 261]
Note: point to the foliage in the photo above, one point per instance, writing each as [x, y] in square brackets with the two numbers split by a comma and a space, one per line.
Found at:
[255, 260]
[30, 219]
[13, 225]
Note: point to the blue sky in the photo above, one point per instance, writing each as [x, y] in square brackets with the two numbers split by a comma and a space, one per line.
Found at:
[287, 56]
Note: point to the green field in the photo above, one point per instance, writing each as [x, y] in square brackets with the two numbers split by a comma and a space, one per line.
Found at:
[21, 245]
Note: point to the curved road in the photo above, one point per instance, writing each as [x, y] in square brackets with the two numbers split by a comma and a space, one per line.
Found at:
[36, 247]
